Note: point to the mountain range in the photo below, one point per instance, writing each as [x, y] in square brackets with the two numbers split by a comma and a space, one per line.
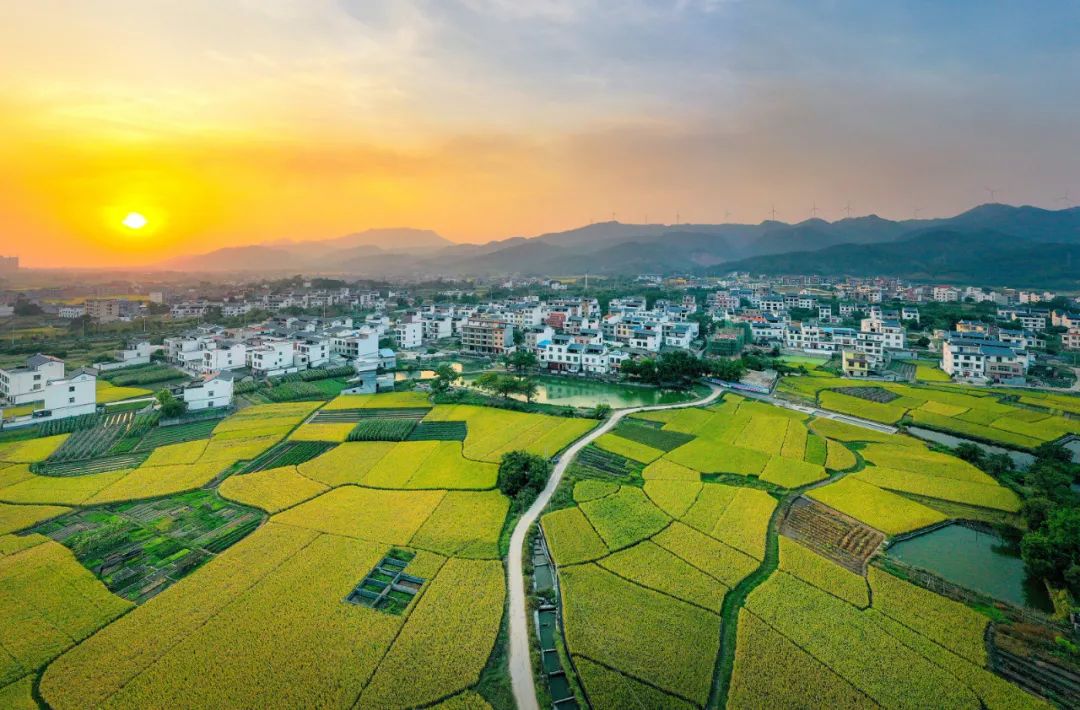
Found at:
[992, 244]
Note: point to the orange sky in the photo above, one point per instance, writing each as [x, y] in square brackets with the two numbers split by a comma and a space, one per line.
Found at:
[231, 122]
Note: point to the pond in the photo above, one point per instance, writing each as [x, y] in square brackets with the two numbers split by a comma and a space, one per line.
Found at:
[1020, 460]
[574, 392]
[980, 561]
[402, 375]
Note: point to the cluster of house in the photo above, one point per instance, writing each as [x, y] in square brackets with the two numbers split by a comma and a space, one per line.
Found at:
[283, 345]
[41, 390]
[568, 335]
[974, 351]
[42, 383]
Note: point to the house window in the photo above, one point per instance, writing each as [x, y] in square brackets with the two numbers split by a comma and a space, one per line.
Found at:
[71, 400]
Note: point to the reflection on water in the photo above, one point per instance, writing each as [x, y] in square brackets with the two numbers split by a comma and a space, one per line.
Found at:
[980, 561]
[573, 392]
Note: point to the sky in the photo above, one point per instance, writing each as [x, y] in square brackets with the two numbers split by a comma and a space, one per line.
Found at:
[229, 122]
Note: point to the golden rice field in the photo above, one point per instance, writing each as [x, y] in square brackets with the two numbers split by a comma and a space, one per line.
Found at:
[653, 558]
[646, 562]
[977, 413]
[266, 623]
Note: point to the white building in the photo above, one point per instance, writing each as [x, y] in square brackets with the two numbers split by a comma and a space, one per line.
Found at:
[979, 358]
[409, 334]
[645, 339]
[72, 396]
[214, 390]
[71, 312]
[22, 385]
[223, 355]
[271, 358]
[946, 294]
[312, 352]
[891, 331]
[563, 354]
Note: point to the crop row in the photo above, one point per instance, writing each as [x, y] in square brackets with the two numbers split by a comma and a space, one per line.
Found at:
[662, 439]
[382, 430]
[439, 431]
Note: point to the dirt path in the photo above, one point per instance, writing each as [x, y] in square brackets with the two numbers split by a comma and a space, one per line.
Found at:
[521, 671]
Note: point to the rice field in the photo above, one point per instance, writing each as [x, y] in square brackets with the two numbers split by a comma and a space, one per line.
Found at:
[978, 413]
[651, 555]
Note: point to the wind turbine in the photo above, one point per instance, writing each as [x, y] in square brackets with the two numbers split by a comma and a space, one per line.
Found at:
[915, 212]
[992, 192]
[727, 215]
[773, 213]
[1065, 199]
[814, 210]
[847, 208]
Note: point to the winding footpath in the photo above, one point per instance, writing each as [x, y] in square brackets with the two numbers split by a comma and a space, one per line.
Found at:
[521, 670]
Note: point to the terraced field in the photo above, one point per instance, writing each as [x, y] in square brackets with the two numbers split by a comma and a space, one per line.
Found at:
[738, 554]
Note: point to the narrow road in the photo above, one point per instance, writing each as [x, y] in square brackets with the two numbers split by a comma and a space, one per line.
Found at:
[816, 411]
[521, 671]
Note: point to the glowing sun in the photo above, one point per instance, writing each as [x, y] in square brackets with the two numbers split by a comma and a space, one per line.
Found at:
[134, 220]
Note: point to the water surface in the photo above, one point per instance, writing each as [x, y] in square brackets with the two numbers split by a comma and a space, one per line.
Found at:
[580, 392]
[980, 561]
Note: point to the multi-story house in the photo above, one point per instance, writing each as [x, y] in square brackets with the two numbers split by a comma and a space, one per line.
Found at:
[409, 333]
[213, 390]
[271, 358]
[221, 355]
[437, 326]
[891, 332]
[487, 336]
[103, 310]
[312, 352]
[646, 338]
[71, 396]
[1030, 320]
[979, 358]
[71, 312]
[26, 384]
[538, 334]
[946, 294]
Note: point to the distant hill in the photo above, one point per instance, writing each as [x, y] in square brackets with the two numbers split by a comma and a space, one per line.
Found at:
[253, 258]
[392, 239]
[616, 248]
[946, 255]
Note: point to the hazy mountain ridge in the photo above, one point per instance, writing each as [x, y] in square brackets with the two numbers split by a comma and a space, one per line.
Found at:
[616, 248]
[945, 255]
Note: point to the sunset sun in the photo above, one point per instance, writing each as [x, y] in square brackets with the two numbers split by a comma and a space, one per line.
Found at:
[134, 220]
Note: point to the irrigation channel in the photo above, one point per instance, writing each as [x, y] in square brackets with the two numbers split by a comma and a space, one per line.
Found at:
[521, 671]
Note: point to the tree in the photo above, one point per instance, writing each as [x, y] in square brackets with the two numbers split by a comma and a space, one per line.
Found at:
[445, 377]
[496, 383]
[601, 411]
[972, 453]
[528, 388]
[170, 406]
[24, 307]
[522, 476]
[521, 360]
[727, 370]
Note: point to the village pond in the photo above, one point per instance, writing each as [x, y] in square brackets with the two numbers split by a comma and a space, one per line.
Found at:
[581, 392]
[975, 559]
